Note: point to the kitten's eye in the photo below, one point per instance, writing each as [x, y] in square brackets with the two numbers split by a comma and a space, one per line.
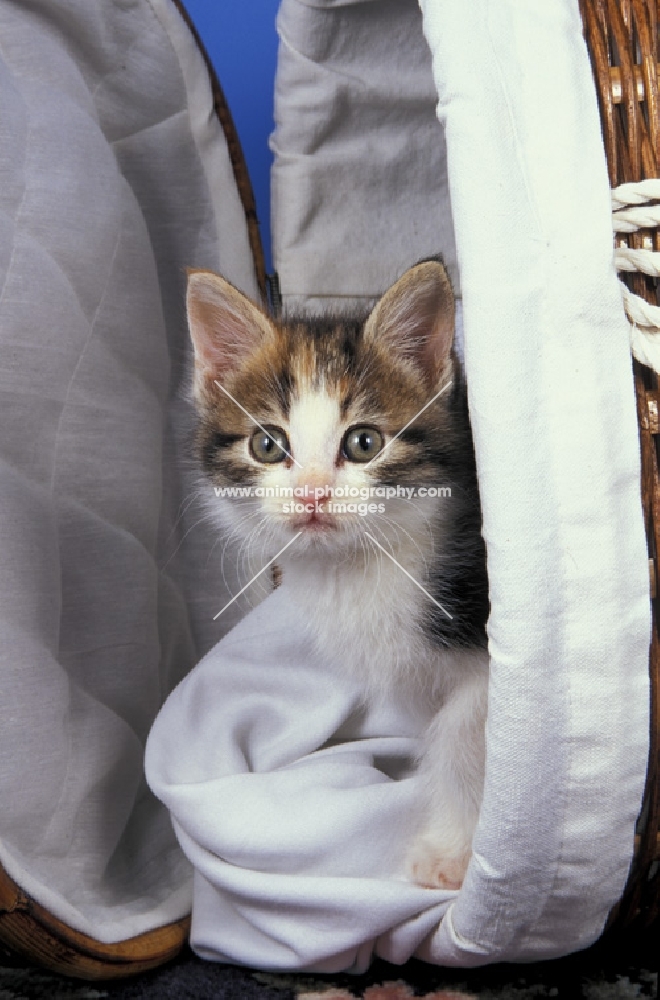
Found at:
[361, 444]
[269, 445]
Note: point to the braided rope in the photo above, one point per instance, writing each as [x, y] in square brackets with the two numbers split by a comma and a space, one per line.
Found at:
[636, 192]
[646, 261]
[629, 220]
[630, 212]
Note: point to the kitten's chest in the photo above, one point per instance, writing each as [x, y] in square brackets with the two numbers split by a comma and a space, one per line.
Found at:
[367, 618]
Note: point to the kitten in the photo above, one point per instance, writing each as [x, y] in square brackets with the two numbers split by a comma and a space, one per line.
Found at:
[343, 404]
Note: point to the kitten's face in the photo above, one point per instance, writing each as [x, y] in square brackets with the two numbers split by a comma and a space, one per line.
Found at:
[308, 418]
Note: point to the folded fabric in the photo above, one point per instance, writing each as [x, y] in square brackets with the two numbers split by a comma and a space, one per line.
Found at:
[293, 800]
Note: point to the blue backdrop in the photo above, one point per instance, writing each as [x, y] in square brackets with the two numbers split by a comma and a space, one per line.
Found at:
[240, 38]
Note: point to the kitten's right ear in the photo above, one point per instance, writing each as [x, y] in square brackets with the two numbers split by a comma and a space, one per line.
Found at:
[415, 319]
[225, 327]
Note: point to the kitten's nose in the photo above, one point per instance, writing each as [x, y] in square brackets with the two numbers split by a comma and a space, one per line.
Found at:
[318, 493]
[315, 485]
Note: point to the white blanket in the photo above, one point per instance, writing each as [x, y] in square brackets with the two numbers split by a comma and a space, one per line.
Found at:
[114, 176]
[292, 801]
[289, 802]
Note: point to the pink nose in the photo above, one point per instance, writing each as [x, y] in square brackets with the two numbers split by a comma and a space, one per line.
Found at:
[315, 487]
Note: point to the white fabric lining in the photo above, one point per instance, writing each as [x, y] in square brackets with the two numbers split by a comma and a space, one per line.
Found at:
[346, 72]
[108, 589]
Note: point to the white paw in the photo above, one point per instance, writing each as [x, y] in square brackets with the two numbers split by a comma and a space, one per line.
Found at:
[430, 865]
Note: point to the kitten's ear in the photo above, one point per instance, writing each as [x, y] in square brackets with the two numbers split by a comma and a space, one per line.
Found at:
[225, 326]
[415, 318]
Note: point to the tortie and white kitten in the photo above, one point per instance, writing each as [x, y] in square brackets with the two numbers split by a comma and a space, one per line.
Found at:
[347, 403]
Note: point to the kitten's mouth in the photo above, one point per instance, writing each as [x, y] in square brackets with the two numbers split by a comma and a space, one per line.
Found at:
[315, 521]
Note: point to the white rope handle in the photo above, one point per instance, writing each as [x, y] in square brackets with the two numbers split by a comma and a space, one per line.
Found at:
[646, 261]
[636, 192]
[629, 220]
[630, 212]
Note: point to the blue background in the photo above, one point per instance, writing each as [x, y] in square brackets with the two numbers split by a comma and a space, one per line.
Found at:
[240, 38]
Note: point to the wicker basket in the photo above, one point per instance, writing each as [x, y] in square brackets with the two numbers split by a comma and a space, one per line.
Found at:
[622, 38]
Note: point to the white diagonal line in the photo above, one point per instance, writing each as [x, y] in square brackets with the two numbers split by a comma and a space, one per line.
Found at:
[260, 426]
[399, 433]
[416, 582]
[263, 568]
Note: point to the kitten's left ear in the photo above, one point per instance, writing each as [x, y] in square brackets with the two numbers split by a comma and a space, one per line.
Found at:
[415, 319]
[225, 327]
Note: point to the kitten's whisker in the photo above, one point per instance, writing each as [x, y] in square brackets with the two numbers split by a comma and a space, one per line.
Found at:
[377, 527]
[350, 556]
[254, 535]
[399, 527]
[409, 575]
[228, 539]
[254, 420]
[200, 520]
[262, 570]
[430, 524]
[380, 530]
[231, 536]
[245, 570]
[257, 530]
[366, 552]
[196, 495]
[375, 550]
[184, 506]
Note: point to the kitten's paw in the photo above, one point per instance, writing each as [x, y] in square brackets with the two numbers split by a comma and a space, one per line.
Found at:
[431, 866]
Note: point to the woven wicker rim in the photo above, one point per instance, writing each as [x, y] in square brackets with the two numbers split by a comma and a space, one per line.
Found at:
[622, 39]
[236, 156]
[31, 931]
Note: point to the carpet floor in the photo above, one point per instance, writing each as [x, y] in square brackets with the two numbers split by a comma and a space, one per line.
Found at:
[624, 970]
